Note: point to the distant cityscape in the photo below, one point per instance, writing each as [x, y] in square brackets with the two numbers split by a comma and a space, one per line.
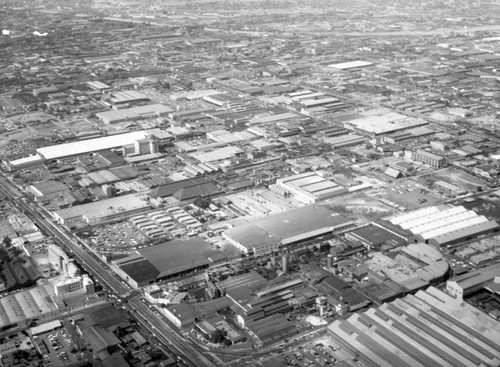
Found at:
[257, 183]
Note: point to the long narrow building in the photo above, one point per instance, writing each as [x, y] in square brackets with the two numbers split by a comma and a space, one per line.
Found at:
[429, 328]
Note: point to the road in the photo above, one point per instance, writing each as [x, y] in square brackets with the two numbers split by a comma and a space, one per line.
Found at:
[164, 330]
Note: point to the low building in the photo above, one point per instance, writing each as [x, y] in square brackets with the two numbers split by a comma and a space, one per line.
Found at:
[443, 225]
[268, 234]
[99, 339]
[308, 187]
[463, 285]
[103, 210]
[271, 329]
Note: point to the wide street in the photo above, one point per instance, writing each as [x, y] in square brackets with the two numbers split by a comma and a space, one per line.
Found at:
[163, 330]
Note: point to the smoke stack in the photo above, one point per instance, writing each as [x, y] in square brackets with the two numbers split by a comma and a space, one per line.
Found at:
[285, 263]
[329, 261]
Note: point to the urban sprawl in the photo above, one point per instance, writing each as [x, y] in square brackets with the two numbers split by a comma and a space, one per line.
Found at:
[250, 183]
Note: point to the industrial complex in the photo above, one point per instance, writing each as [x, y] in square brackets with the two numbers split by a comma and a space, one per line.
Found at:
[250, 183]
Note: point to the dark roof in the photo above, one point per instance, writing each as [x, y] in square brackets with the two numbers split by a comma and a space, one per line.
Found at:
[173, 187]
[271, 327]
[376, 235]
[124, 172]
[336, 284]
[180, 255]
[140, 270]
[192, 192]
[99, 338]
[250, 279]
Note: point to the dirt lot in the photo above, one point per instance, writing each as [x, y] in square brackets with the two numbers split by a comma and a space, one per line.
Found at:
[361, 207]
[459, 178]
[409, 196]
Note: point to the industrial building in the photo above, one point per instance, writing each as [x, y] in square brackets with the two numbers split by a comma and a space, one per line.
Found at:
[443, 224]
[167, 260]
[374, 237]
[429, 328]
[103, 210]
[271, 329]
[473, 281]
[413, 267]
[268, 234]
[80, 147]
[351, 65]
[436, 161]
[24, 163]
[382, 122]
[308, 187]
[187, 189]
[46, 189]
[20, 308]
[344, 141]
[216, 155]
[136, 270]
[133, 114]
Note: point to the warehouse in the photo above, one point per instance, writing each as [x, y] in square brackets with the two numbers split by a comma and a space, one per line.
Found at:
[345, 141]
[444, 224]
[351, 65]
[271, 329]
[186, 189]
[96, 145]
[426, 329]
[308, 187]
[466, 284]
[136, 271]
[374, 237]
[181, 256]
[215, 155]
[133, 114]
[19, 308]
[268, 234]
[103, 210]
[380, 122]
[170, 259]
[45, 189]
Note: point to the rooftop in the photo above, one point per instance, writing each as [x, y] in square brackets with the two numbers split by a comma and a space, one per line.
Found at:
[180, 255]
[289, 226]
[103, 208]
[425, 329]
[93, 145]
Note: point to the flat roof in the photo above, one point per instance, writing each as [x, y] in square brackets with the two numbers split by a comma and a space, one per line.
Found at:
[140, 270]
[216, 154]
[103, 208]
[350, 65]
[180, 255]
[383, 122]
[48, 326]
[93, 145]
[289, 226]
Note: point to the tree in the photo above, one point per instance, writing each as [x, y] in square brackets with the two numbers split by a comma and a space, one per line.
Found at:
[7, 241]
[202, 202]
[218, 336]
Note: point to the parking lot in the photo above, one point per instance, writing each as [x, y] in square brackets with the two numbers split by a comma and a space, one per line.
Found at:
[116, 237]
[58, 349]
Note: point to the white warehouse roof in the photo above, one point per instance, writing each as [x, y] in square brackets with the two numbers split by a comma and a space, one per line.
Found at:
[92, 145]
